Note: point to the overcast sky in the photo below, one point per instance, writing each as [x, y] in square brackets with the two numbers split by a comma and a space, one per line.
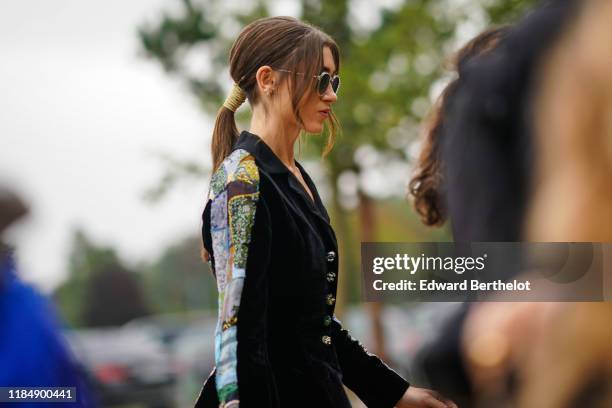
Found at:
[81, 114]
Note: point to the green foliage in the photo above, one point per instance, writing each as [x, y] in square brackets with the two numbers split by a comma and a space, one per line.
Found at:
[167, 41]
[394, 224]
[197, 27]
[174, 170]
[508, 11]
[100, 290]
[179, 280]
[113, 296]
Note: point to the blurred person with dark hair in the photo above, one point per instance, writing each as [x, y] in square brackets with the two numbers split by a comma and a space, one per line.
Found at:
[487, 146]
[442, 359]
[484, 163]
[33, 352]
[566, 360]
[426, 187]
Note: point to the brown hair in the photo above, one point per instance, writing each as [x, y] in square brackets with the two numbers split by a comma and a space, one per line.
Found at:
[281, 43]
[425, 185]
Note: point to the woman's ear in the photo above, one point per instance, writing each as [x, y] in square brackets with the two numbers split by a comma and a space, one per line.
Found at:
[266, 80]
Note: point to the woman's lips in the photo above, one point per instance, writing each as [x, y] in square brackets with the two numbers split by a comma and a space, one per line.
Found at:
[324, 113]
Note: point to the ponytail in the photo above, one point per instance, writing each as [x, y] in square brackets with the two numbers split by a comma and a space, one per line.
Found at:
[224, 136]
[225, 133]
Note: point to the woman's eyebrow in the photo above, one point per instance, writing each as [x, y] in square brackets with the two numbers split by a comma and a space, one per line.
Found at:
[327, 69]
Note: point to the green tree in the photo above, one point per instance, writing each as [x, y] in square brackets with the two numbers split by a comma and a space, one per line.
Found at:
[178, 281]
[113, 295]
[100, 290]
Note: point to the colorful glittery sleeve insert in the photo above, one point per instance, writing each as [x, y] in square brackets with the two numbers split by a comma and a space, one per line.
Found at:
[234, 193]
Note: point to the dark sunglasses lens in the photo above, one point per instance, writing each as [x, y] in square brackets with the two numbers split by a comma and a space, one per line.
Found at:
[323, 83]
[336, 84]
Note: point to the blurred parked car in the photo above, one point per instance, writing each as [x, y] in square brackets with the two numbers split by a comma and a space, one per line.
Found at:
[167, 327]
[189, 339]
[194, 353]
[127, 365]
[407, 328]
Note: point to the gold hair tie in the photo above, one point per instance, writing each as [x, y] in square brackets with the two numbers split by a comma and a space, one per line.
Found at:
[235, 98]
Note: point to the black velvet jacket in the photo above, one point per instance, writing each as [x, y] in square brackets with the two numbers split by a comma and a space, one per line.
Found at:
[275, 258]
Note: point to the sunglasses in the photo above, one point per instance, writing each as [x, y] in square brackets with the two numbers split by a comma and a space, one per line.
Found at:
[324, 79]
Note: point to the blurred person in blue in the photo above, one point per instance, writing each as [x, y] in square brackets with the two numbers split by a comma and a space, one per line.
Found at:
[33, 352]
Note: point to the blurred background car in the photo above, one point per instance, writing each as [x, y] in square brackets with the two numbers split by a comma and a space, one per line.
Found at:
[194, 356]
[189, 341]
[407, 329]
[127, 365]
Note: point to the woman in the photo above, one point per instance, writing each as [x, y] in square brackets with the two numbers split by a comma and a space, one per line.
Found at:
[271, 246]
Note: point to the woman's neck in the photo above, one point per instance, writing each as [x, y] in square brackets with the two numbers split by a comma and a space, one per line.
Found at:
[279, 137]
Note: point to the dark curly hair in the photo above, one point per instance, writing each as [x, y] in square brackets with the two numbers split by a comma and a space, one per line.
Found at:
[426, 184]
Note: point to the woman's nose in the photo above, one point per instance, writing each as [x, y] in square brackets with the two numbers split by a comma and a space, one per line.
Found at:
[329, 95]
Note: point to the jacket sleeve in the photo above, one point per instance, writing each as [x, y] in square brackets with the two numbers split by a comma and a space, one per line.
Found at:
[239, 227]
[377, 385]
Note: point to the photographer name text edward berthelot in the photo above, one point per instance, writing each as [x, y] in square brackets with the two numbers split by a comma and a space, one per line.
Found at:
[431, 285]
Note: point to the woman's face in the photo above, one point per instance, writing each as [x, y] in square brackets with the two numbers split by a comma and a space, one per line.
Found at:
[317, 108]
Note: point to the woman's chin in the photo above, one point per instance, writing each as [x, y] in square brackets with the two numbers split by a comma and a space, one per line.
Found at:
[314, 128]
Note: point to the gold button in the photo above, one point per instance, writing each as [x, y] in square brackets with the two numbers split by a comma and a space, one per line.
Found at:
[327, 320]
[331, 256]
[326, 340]
[330, 299]
[331, 276]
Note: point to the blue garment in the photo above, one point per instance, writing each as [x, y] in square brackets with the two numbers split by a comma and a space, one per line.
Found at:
[33, 352]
